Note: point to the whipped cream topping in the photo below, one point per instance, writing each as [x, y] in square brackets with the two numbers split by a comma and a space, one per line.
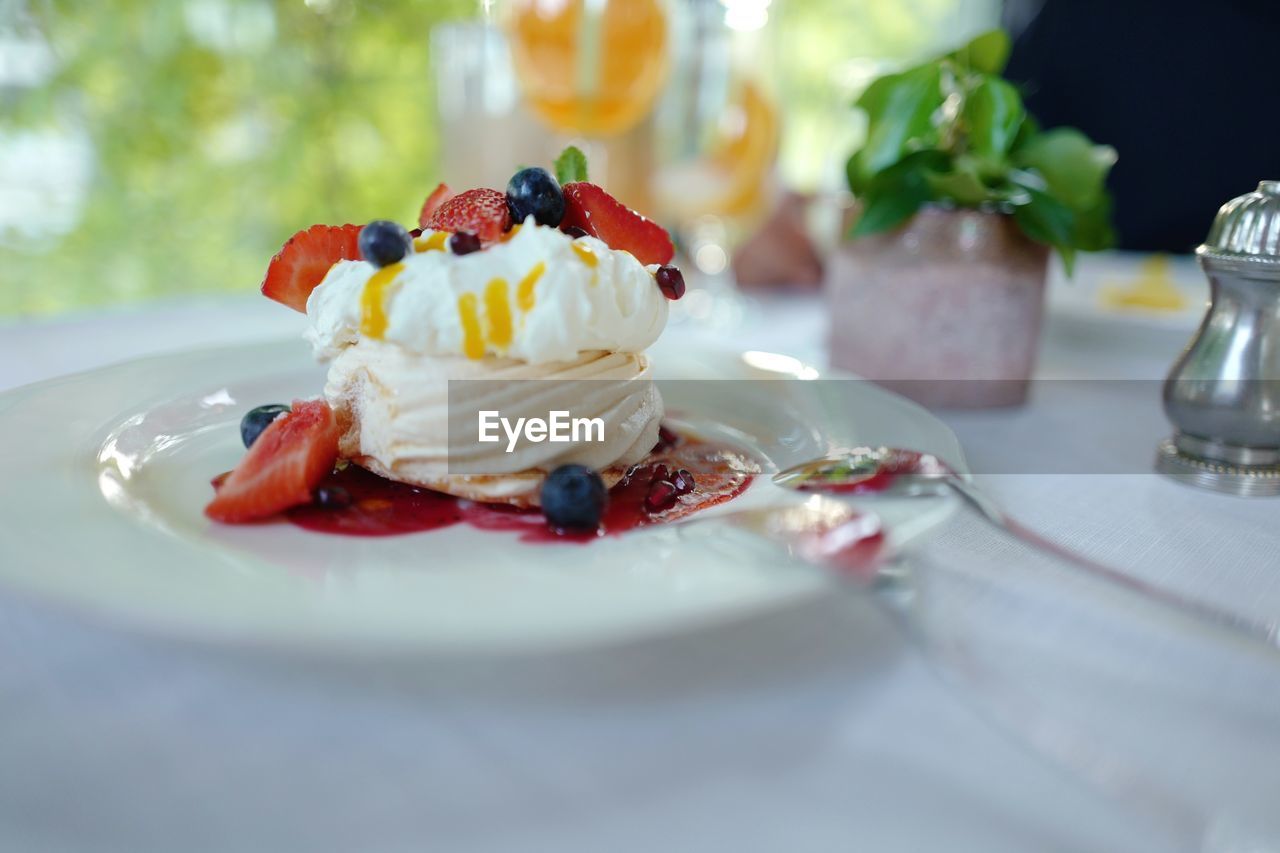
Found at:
[539, 297]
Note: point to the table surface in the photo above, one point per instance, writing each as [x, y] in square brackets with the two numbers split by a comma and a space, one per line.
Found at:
[774, 734]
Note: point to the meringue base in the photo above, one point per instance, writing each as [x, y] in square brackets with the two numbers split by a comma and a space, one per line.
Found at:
[396, 411]
[521, 489]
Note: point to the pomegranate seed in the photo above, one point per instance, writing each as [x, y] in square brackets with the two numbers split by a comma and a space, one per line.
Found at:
[683, 481]
[575, 232]
[464, 243]
[415, 233]
[662, 495]
[659, 472]
[670, 281]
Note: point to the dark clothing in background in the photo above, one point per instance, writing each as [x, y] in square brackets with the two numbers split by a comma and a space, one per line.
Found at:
[1185, 91]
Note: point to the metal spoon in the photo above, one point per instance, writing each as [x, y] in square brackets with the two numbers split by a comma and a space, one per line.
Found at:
[822, 532]
[893, 472]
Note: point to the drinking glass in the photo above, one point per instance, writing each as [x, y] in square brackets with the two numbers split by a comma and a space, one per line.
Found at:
[590, 69]
[485, 130]
[717, 131]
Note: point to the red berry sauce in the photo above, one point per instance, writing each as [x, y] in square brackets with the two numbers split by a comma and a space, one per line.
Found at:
[381, 507]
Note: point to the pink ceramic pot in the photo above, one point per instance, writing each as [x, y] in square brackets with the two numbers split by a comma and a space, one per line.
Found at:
[945, 309]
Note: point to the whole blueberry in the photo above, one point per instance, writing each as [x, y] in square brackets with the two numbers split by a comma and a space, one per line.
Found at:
[332, 497]
[574, 498]
[383, 243]
[256, 420]
[533, 192]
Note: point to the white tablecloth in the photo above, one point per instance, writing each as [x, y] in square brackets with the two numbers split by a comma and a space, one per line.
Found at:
[817, 731]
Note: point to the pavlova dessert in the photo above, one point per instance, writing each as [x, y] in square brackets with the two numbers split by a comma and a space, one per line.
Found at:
[541, 298]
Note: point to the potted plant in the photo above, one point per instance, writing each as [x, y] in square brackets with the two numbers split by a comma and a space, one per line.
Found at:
[938, 287]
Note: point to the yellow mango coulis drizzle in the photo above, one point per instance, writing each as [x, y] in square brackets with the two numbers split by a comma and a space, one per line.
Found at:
[497, 310]
[373, 301]
[515, 229]
[435, 242]
[469, 317]
[587, 256]
[524, 290]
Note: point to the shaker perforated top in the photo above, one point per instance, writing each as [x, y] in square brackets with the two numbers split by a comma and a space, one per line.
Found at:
[1247, 228]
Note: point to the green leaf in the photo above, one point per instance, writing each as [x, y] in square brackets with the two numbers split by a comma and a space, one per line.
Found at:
[1093, 231]
[571, 165]
[993, 114]
[893, 196]
[884, 212]
[859, 180]
[987, 52]
[1074, 169]
[1047, 220]
[1030, 128]
[962, 185]
[899, 110]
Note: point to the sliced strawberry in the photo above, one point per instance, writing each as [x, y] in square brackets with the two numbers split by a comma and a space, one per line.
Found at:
[590, 208]
[438, 196]
[482, 212]
[293, 454]
[302, 262]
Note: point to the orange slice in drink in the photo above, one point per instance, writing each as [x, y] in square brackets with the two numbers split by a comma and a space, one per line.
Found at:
[733, 178]
[746, 152]
[593, 67]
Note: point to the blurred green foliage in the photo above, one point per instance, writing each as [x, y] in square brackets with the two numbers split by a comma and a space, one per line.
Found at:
[208, 131]
[216, 129]
[830, 50]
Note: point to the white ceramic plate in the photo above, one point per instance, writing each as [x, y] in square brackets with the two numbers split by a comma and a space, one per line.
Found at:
[106, 474]
[1082, 298]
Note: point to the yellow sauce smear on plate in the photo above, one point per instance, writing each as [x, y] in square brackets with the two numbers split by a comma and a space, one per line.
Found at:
[1153, 289]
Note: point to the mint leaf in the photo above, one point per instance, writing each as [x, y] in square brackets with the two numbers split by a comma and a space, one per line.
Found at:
[1074, 169]
[987, 52]
[899, 110]
[993, 114]
[571, 165]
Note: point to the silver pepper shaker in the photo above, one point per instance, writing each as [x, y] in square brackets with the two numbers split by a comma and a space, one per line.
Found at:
[1223, 393]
